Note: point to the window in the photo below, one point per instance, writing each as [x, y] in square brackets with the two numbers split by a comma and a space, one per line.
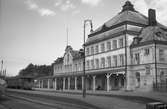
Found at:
[121, 43]
[137, 58]
[97, 63]
[114, 44]
[161, 55]
[97, 49]
[79, 66]
[92, 50]
[68, 58]
[92, 64]
[76, 67]
[146, 51]
[87, 51]
[102, 62]
[102, 47]
[109, 61]
[115, 60]
[121, 59]
[108, 45]
[87, 63]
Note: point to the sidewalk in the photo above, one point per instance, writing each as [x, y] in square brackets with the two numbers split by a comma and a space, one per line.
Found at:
[110, 100]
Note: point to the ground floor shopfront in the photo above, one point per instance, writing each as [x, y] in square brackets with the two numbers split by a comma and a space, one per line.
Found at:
[103, 81]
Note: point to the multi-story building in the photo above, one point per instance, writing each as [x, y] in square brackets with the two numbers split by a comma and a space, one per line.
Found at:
[125, 53]
[67, 71]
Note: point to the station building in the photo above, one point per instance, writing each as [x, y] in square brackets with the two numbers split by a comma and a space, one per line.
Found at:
[128, 52]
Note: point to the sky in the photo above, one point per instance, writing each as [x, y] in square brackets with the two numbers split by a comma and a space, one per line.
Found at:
[35, 31]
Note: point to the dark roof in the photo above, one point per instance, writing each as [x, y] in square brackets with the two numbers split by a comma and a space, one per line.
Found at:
[128, 15]
[59, 60]
[153, 33]
[76, 54]
[150, 35]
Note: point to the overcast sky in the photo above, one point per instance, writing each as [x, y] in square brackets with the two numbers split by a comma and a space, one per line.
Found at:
[34, 31]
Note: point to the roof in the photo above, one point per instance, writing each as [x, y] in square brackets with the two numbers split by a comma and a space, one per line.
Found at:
[112, 27]
[153, 33]
[76, 54]
[127, 14]
[59, 60]
[150, 35]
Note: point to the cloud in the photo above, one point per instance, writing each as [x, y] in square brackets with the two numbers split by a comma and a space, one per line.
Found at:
[46, 12]
[159, 5]
[58, 3]
[67, 6]
[75, 12]
[91, 2]
[31, 5]
[42, 11]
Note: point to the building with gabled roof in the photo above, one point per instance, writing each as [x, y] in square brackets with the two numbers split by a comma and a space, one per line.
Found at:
[125, 53]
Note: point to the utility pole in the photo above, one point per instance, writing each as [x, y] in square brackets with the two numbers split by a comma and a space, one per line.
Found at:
[84, 74]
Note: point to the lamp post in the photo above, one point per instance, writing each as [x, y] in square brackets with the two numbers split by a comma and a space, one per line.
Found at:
[84, 75]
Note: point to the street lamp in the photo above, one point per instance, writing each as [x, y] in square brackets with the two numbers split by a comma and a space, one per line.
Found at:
[84, 75]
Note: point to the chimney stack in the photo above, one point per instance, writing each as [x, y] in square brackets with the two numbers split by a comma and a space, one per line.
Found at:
[152, 17]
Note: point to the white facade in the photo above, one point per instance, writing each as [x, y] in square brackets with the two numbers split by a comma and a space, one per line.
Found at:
[127, 52]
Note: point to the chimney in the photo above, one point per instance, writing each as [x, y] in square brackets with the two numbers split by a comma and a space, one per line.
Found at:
[152, 17]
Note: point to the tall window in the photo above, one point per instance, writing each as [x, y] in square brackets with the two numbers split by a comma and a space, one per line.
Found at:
[109, 61]
[87, 51]
[114, 44]
[115, 60]
[87, 63]
[76, 67]
[146, 51]
[80, 66]
[102, 62]
[102, 47]
[97, 48]
[92, 50]
[161, 55]
[92, 64]
[68, 58]
[121, 59]
[97, 63]
[109, 45]
[137, 58]
[121, 43]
